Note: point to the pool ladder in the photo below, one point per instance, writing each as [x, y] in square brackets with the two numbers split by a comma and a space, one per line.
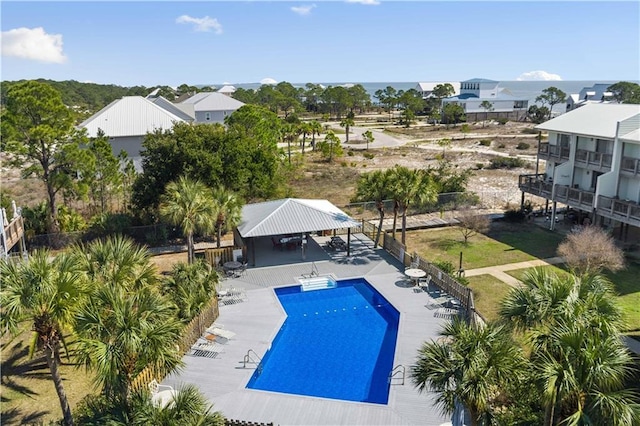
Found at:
[253, 358]
[397, 370]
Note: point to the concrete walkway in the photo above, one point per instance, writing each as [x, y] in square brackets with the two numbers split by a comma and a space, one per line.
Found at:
[499, 271]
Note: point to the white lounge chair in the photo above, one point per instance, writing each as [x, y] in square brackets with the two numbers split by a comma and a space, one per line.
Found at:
[206, 349]
[217, 331]
[161, 395]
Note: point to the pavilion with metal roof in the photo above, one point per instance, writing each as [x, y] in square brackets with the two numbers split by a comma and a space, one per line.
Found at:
[291, 216]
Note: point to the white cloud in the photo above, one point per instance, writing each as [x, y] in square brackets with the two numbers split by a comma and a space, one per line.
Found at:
[303, 10]
[268, 80]
[538, 76]
[205, 24]
[34, 44]
[367, 2]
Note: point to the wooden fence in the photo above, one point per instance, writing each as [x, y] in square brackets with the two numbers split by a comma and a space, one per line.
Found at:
[440, 278]
[217, 256]
[190, 334]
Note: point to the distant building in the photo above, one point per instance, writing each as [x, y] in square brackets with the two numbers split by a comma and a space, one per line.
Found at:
[503, 105]
[597, 93]
[126, 121]
[426, 89]
[592, 164]
[210, 107]
[227, 90]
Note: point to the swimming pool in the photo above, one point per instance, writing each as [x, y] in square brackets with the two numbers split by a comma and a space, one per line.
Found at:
[336, 343]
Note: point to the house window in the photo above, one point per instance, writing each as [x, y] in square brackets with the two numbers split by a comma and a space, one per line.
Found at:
[207, 116]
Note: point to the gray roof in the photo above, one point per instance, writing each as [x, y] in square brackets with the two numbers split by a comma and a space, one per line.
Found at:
[183, 113]
[213, 101]
[595, 120]
[480, 80]
[292, 216]
[130, 116]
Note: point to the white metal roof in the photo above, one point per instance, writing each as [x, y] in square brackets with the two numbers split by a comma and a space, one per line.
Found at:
[130, 116]
[292, 216]
[227, 89]
[595, 120]
[213, 101]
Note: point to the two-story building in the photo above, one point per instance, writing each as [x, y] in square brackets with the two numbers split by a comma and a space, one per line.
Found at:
[501, 103]
[598, 93]
[426, 88]
[592, 165]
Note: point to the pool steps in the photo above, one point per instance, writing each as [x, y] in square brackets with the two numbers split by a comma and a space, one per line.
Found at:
[318, 283]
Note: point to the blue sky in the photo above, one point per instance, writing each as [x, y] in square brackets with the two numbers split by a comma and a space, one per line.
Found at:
[157, 43]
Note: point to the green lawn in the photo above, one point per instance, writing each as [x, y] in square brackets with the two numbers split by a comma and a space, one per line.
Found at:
[28, 394]
[509, 244]
[503, 244]
[488, 292]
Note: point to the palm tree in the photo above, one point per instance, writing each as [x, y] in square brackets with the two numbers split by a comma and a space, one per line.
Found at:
[189, 204]
[228, 209]
[190, 286]
[347, 122]
[188, 408]
[47, 292]
[410, 186]
[305, 129]
[126, 324]
[374, 186]
[122, 332]
[117, 260]
[470, 364]
[316, 129]
[572, 324]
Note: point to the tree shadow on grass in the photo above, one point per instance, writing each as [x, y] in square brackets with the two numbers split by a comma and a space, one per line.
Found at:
[449, 244]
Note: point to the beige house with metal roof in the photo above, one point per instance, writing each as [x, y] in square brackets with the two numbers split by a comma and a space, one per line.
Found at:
[592, 164]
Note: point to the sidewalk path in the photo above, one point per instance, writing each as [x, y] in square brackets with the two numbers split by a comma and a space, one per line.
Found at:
[498, 271]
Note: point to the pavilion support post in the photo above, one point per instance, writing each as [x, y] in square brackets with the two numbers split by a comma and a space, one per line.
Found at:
[348, 242]
[252, 242]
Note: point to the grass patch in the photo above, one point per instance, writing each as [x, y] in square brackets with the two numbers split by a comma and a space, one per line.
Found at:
[28, 394]
[503, 244]
[488, 292]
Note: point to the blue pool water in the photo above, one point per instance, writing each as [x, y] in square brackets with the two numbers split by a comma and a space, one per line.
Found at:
[336, 343]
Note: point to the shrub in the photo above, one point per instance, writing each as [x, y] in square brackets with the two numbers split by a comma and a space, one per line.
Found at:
[479, 166]
[485, 142]
[514, 216]
[368, 155]
[503, 121]
[522, 145]
[350, 153]
[109, 223]
[530, 131]
[501, 146]
[506, 163]
[344, 164]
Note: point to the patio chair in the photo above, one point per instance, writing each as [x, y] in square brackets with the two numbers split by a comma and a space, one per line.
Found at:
[438, 302]
[423, 283]
[206, 349]
[237, 273]
[216, 333]
[161, 395]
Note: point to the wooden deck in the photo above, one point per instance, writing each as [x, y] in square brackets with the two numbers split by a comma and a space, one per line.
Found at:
[256, 322]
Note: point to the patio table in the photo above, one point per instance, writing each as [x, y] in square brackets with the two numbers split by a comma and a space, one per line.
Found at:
[232, 265]
[415, 274]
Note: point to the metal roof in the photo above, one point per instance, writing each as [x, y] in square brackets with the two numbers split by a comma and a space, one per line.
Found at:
[130, 116]
[292, 216]
[480, 80]
[213, 101]
[595, 120]
[173, 108]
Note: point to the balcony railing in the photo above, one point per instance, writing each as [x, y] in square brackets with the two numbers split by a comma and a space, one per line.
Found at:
[626, 211]
[597, 160]
[546, 150]
[630, 165]
[536, 185]
[574, 197]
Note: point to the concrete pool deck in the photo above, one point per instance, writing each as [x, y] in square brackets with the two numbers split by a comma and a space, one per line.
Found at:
[256, 321]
